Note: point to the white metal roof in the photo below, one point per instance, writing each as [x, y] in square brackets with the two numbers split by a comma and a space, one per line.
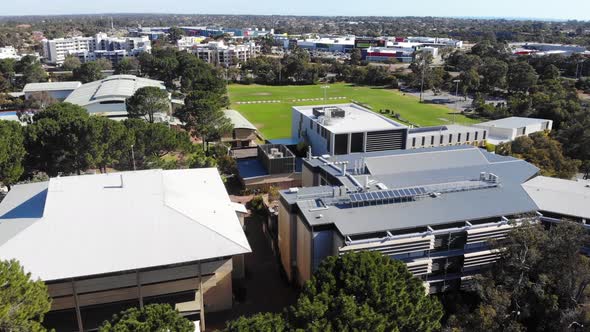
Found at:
[512, 122]
[51, 86]
[357, 119]
[116, 87]
[238, 120]
[560, 196]
[96, 224]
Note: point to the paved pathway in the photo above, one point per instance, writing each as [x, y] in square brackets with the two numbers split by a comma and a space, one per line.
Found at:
[266, 290]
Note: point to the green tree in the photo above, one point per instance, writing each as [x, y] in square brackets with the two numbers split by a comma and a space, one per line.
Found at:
[104, 64]
[197, 75]
[71, 63]
[574, 136]
[162, 65]
[521, 77]
[203, 116]
[542, 151]
[12, 152]
[31, 69]
[59, 140]
[23, 301]
[7, 67]
[152, 142]
[88, 72]
[126, 66]
[5, 85]
[146, 101]
[111, 141]
[470, 81]
[262, 322]
[494, 73]
[175, 33]
[152, 318]
[551, 72]
[364, 291]
[355, 57]
[539, 283]
[200, 160]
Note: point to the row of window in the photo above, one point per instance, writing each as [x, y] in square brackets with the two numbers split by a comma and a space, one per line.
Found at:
[450, 139]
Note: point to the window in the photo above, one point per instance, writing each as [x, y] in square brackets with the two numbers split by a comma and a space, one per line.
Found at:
[431, 140]
[341, 144]
[476, 134]
[310, 124]
[423, 140]
[357, 142]
[467, 139]
[459, 138]
[414, 142]
[484, 134]
[450, 138]
[441, 140]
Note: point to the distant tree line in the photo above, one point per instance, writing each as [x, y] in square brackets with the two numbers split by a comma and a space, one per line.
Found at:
[298, 67]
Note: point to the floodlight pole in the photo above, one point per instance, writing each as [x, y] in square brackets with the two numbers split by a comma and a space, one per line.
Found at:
[325, 88]
[456, 98]
[422, 80]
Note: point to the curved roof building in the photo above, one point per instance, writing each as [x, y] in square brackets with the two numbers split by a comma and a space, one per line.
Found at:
[107, 96]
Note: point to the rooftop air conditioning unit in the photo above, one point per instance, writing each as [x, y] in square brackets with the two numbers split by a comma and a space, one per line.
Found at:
[318, 111]
[337, 113]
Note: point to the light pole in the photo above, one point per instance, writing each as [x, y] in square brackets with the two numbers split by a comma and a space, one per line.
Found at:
[325, 88]
[422, 80]
[456, 98]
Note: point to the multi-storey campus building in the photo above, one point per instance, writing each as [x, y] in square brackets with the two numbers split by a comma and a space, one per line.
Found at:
[349, 128]
[435, 209]
[219, 53]
[92, 48]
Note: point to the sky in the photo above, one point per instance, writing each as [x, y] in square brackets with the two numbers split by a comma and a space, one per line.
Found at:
[549, 9]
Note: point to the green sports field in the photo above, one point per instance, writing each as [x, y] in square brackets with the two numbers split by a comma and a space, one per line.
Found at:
[274, 119]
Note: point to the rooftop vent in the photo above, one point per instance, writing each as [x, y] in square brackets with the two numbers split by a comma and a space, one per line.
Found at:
[335, 112]
[318, 111]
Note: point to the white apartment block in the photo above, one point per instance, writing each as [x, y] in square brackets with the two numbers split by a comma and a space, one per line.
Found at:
[220, 54]
[93, 48]
[188, 42]
[8, 52]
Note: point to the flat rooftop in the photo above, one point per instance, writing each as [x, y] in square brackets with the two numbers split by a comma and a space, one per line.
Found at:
[566, 197]
[356, 119]
[446, 129]
[512, 122]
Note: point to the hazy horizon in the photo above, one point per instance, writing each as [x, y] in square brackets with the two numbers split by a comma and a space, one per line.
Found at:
[499, 9]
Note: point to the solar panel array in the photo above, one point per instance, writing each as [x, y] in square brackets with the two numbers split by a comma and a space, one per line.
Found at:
[386, 196]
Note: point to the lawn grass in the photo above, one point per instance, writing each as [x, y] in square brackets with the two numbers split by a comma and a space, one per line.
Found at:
[274, 119]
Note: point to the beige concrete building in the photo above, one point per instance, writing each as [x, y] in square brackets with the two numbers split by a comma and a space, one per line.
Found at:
[244, 133]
